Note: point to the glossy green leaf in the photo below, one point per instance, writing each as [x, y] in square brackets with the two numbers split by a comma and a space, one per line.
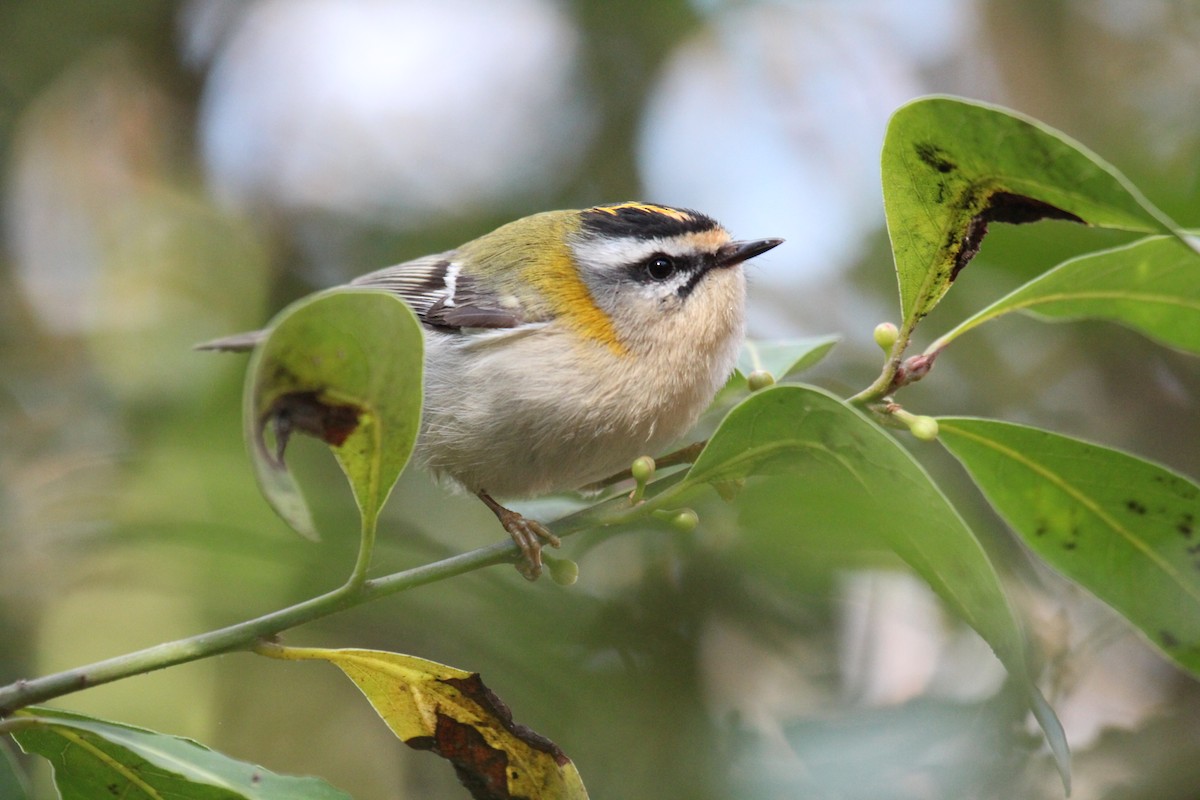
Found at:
[784, 357]
[96, 759]
[1123, 528]
[344, 366]
[1152, 286]
[851, 476]
[951, 166]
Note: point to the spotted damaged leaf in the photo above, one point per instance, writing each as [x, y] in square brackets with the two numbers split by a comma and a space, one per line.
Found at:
[451, 713]
[952, 167]
[343, 366]
[1125, 529]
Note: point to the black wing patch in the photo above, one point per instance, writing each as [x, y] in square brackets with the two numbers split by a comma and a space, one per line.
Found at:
[443, 298]
[441, 315]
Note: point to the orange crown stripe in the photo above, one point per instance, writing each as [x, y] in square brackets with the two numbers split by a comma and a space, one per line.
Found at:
[672, 213]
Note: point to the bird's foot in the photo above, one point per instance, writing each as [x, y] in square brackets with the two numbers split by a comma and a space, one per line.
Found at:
[529, 535]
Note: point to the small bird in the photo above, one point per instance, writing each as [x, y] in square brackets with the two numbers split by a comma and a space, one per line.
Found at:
[563, 345]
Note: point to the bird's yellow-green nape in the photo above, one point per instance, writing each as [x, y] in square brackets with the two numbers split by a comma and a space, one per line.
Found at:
[530, 260]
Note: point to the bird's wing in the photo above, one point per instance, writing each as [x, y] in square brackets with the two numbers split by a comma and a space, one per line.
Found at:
[439, 295]
[442, 297]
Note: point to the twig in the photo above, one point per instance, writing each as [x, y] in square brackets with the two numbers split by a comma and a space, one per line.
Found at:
[355, 592]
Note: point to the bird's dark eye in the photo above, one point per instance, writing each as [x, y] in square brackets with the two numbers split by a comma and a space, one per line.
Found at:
[660, 267]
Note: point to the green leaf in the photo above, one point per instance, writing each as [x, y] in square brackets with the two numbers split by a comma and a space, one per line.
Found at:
[1125, 529]
[94, 759]
[784, 357]
[950, 166]
[13, 785]
[344, 366]
[852, 476]
[1152, 286]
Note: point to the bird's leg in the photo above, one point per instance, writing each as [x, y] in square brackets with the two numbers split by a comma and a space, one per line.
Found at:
[527, 533]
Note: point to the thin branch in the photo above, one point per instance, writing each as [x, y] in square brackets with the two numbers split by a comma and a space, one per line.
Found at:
[244, 635]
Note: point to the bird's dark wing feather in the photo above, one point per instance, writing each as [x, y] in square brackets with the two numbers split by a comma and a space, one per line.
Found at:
[441, 296]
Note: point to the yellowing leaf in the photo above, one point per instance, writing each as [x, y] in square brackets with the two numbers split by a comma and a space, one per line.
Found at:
[431, 706]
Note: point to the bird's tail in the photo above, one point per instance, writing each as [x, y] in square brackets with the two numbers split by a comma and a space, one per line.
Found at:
[239, 342]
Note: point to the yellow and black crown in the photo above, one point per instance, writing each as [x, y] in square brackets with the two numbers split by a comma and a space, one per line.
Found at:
[644, 221]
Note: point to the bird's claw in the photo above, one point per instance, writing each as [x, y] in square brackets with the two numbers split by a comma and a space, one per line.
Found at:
[530, 536]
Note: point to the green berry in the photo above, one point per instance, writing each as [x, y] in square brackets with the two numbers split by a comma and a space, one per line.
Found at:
[563, 571]
[886, 334]
[642, 469]
[759, 379]
[685, 520]
[924, 428]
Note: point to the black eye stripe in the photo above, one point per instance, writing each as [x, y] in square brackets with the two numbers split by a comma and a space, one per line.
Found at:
[661, 267]
[683, 291]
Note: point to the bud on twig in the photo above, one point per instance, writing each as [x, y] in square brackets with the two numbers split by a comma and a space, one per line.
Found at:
[886, 334]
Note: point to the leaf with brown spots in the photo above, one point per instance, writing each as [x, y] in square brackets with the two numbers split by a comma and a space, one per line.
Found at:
[1121, 527]
[343, 366]
[447, 711]
[951, 167]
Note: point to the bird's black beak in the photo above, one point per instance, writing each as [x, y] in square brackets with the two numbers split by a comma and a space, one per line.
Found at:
[735, 253]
